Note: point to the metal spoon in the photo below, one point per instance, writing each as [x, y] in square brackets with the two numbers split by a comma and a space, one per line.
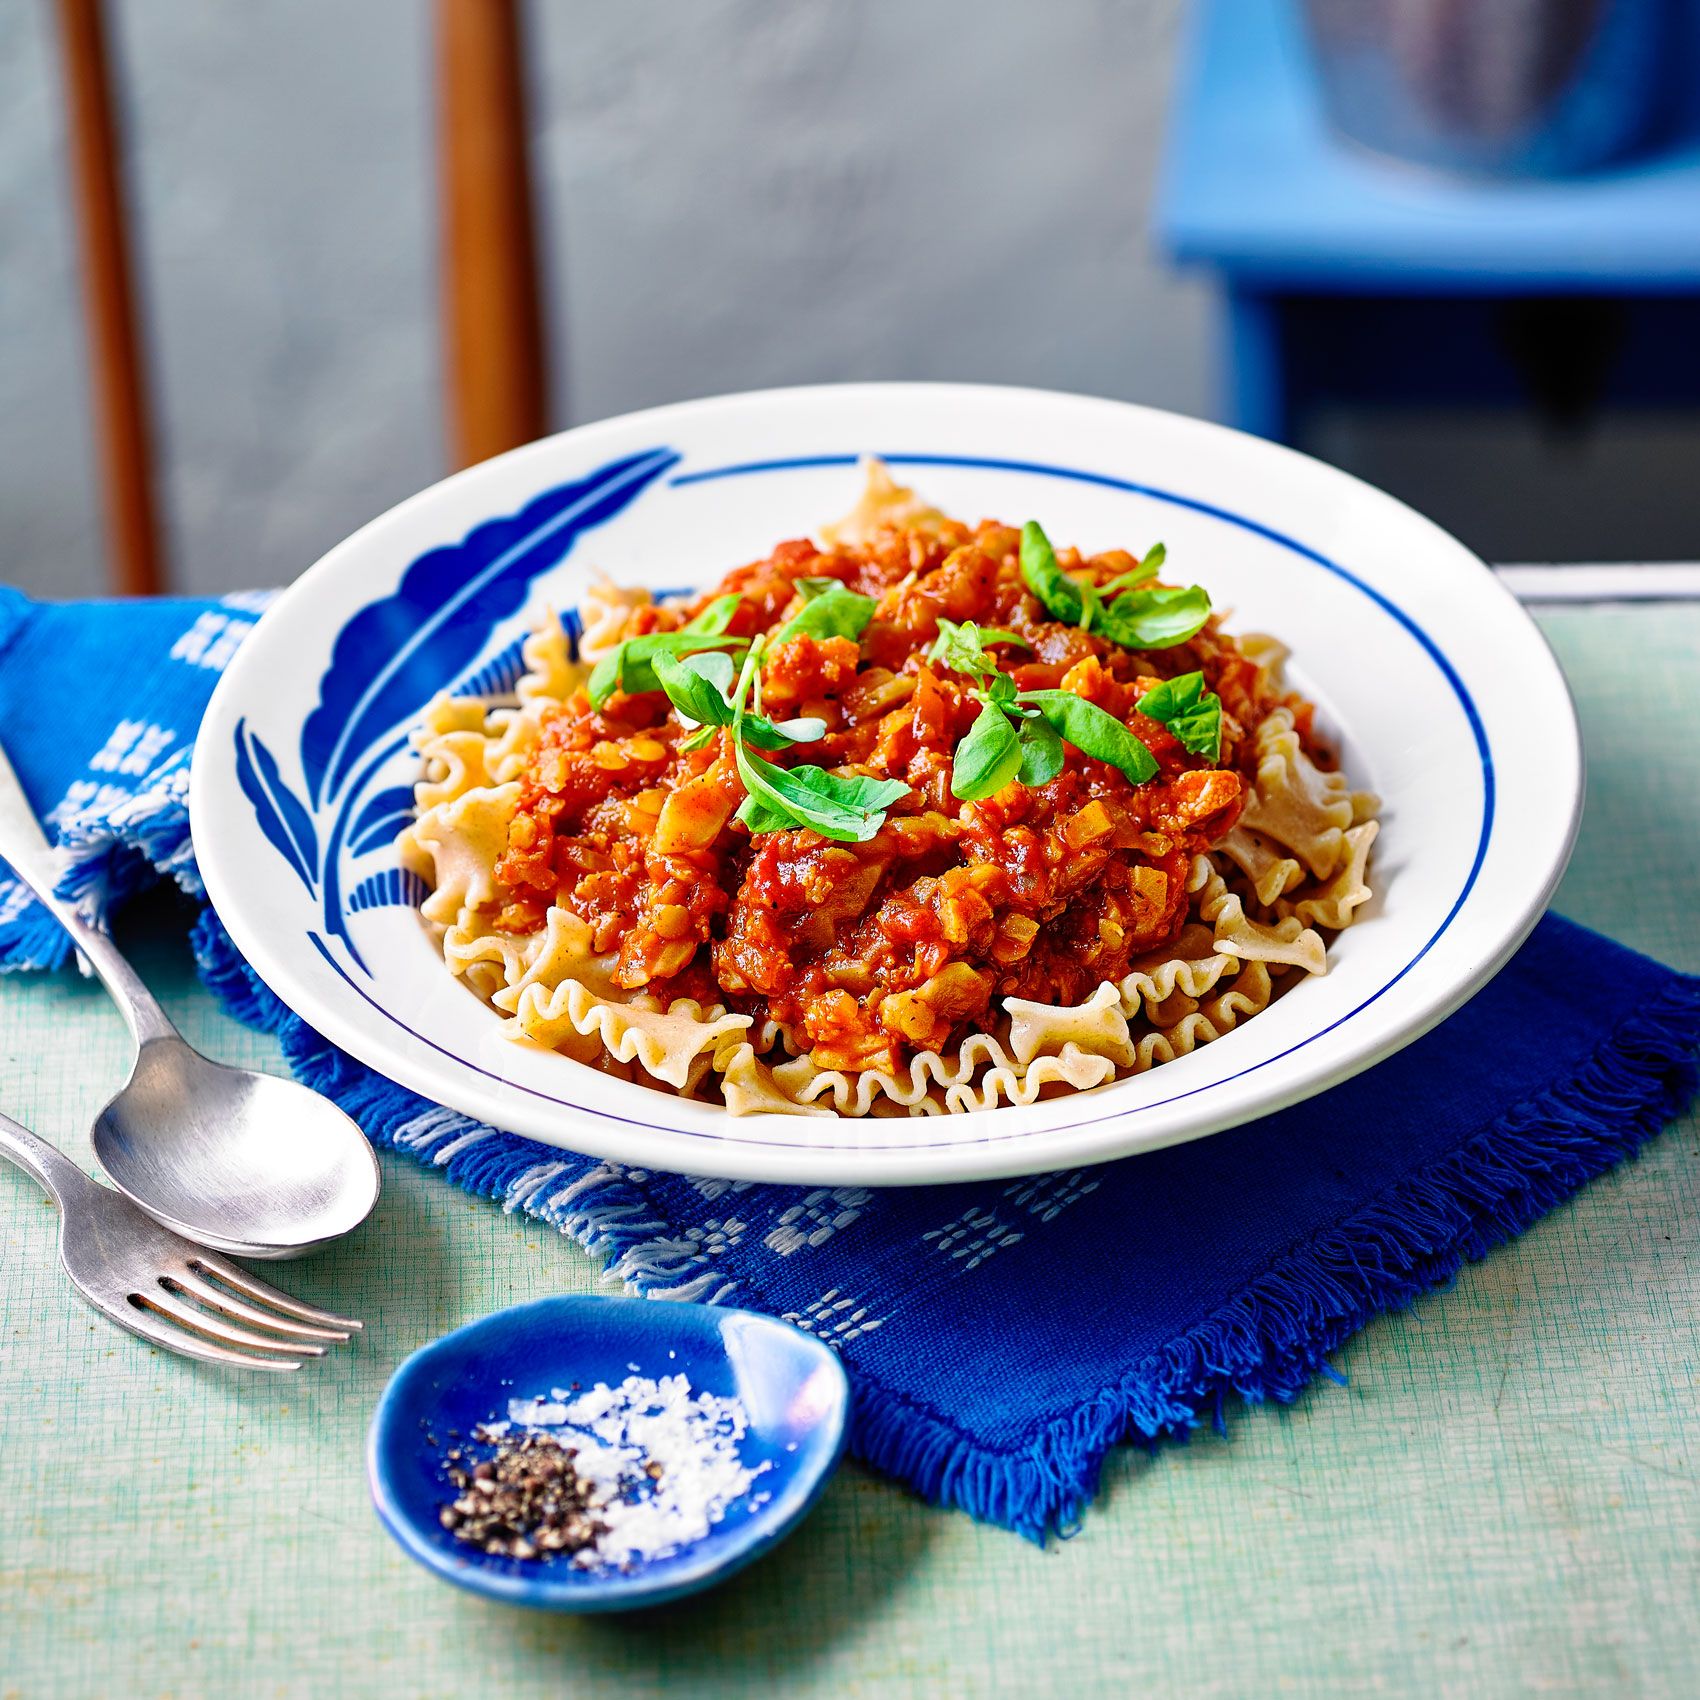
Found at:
[242, 1162]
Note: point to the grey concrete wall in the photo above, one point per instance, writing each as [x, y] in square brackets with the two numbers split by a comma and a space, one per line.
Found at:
[734, 193]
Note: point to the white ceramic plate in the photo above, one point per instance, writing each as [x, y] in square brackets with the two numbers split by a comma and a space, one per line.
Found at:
[1440, 689]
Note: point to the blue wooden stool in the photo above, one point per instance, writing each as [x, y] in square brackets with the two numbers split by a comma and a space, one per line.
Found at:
[1348, 277]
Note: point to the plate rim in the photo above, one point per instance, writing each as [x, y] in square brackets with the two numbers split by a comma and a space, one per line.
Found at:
[1073, 1143]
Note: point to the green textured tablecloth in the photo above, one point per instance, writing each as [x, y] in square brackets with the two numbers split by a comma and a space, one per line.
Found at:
[1506, 1499]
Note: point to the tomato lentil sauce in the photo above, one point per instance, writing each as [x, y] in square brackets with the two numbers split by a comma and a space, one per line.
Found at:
[868, 953]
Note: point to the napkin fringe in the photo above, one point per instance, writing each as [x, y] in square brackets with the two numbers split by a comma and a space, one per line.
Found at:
[107, 853]
[32, 939]
[1272, 1339]
[111, 854]
[1269, 1342]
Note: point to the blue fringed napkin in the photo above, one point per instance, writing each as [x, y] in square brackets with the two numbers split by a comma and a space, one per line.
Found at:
[1001, 1336]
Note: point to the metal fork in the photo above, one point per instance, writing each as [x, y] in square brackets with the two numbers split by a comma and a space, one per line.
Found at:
[170, 1291]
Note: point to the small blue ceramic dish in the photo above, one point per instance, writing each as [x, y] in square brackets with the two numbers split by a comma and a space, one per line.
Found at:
[792, 1387]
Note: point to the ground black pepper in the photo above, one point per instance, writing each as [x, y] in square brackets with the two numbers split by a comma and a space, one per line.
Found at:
[525, 1501]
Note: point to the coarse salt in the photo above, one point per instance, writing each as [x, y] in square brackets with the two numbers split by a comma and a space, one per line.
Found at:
[663, 1461]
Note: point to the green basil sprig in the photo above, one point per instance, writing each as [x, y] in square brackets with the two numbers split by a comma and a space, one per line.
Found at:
[988, 758]
[849, 808]
[1060, 594]
[1157, 617]
[1093, 732]
[700, 687]
[1191, 713]
[1024, 740]
[1041, 750]
[962, 648]
[830, 610]
[1020, 734]
[631, 667]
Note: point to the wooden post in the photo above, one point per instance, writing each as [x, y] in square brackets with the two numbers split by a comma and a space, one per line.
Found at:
[492, 323]
[117, 375]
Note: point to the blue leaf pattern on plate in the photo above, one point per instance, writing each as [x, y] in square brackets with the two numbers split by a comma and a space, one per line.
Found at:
[295, 816]
[396, 653]
[260, 793]
[382, 818]
[497, 677]
[394, 888]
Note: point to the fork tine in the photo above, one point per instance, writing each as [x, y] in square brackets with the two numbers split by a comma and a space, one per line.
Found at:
[167, 1335]
[251, 1286]
[209, 1293]
[159, 1298]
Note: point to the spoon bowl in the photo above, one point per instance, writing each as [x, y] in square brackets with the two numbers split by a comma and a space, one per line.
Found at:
[242, 1162]
[236, 1161]
[793, 1390]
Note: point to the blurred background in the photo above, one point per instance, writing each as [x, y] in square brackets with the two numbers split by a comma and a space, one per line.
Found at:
[1455, 249]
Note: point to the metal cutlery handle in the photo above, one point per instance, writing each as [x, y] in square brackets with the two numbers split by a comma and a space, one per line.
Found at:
[52, 1170]
[24, 846]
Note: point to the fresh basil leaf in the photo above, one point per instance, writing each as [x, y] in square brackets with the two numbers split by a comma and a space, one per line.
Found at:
[714, 665]
[758, 817]
[1155, 556]
[958, 648]
[832, 612]
[697, 686]
[716, 617]
[1041, 751]
[630, 668]
[766, 734]
[1191, 713]
[1201, 731]
[1001, 690]
[1059, 593]
[1094, 733]
[962, 648]
[604, 678]
[1157, 618]
[1127, 580]
[699, 739]
[700, 688]
[850, 810]
[1179, 695]
[988, 758]
[813, 587]
[844, 790]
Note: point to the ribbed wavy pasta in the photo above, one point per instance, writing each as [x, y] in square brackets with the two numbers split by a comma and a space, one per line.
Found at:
[1272, 875]
[663, 1045]
[604, 612]
[551, 670]
[1294, 802]
[1331, 904]
[455, 843]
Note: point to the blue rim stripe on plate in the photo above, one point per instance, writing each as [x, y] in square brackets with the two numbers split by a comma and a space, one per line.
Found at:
[1106, 481]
